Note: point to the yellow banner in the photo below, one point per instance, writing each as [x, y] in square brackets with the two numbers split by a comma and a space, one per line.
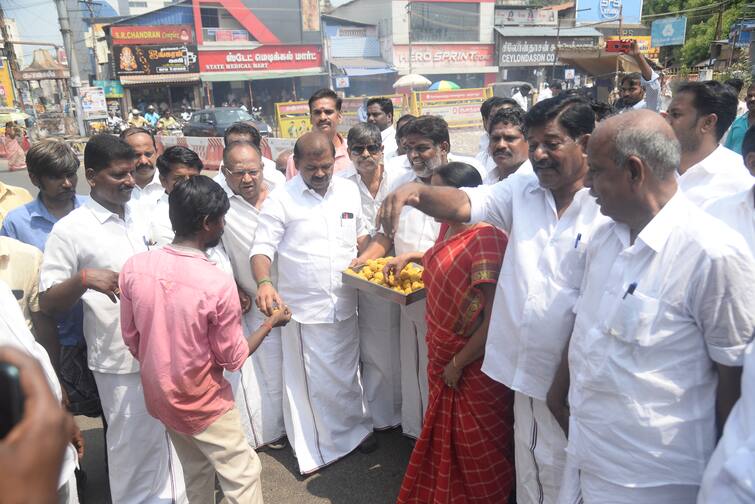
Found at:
[7, 93]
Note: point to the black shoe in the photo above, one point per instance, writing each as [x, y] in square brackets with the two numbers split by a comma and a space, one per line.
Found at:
[278, 444]
[369, 445]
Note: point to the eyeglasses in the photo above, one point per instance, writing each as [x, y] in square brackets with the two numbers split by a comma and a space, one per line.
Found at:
[372, 149]
[241, 173]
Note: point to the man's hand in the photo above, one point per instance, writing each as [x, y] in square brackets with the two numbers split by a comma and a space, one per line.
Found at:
[268, 299]
[101, 280]
[31, 455]
[245, 300]
[77, 440]
[634, 50]
[390, 210]
[280, 317]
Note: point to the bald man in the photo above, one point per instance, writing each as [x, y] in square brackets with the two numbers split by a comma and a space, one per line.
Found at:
[665, 313]
[314, 224]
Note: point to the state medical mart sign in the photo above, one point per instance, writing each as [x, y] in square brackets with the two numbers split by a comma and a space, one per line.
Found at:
[265, 58]
[536, 51]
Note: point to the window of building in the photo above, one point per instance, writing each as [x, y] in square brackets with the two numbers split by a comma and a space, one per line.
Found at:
[138, 5]
[209, 18]
[445, 22]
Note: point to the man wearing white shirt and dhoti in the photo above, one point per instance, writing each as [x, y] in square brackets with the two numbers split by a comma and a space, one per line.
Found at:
[378, 319]
[640, 90]
[245, 132]
[488, 109]
[666, 310]
[380, 113]
[258, 385]
[427, 144]
[699, 114]
[730, 474]
[83, 255]
[314, 224]
[549, 218]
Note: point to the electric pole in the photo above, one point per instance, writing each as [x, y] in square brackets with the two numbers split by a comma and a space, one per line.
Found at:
[73, 63]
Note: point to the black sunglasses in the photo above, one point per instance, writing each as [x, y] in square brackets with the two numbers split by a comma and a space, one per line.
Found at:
[372, 149]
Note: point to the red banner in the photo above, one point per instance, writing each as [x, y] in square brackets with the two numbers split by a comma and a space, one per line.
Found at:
[166, 34]
[273, 57]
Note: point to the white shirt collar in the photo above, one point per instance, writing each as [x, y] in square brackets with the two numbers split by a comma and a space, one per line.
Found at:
[102, 214]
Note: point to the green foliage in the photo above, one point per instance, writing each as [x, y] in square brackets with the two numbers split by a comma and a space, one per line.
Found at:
[701, 26]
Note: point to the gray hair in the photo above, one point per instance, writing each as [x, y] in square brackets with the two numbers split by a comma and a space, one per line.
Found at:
[660, 152]
[364, 134]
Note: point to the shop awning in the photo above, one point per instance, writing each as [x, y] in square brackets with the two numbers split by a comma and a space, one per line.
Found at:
[130, 80]
[597, 62]
[548, 31]
[356, 67]
[247, 76]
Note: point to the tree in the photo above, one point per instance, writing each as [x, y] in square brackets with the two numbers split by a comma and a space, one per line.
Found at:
[701, 25]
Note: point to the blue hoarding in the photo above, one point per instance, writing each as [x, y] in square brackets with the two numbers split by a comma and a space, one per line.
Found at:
[668, 31]
[590, 11]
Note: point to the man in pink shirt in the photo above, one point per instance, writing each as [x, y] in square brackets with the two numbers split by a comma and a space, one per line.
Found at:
[325, 116]
[181, 319]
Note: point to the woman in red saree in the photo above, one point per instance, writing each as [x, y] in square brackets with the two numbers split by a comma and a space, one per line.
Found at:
[465, 451]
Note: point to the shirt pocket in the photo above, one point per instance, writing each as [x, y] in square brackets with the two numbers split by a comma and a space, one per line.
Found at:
[633, 320]
[348, 229]
[572, 267]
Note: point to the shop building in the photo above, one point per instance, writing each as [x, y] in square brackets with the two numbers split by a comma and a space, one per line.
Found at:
[154, 56]
[258, 52]
[442, 40]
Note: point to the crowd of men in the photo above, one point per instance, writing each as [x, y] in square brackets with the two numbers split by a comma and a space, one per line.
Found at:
[206, 318]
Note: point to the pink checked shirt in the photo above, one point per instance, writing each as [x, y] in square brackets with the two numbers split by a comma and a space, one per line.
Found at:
[181, 319]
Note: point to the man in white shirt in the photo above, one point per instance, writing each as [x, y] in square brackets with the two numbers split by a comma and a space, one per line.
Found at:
[522, 96]
[245, 132]
[15, 333]
[314, 224]
[380, 113]
[666, 310]
[147, 187]
[378, 319]
[549, 218]
[640, 90]
[83, 256]
[699, 114]
[258, 385]
[427, 144]
[507, 150]
[730, 474]
[487, 110]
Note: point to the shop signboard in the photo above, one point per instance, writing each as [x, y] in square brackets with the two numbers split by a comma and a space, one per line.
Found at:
[93, 103]
[264, 58]
[113, 88]
[537, 51]
[460, 108]
[645, 44]
[628, 11]
[445, 56]
[152, 35]
[668, 31]
[525, 17]
[155, 60]
[7, 93]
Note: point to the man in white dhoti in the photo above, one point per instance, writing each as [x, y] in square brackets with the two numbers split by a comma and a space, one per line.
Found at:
[258, 385]
[83, 255]
[314, 223]
[665, 313]
[378, 318]
[380, 113]
[730, 474]
[549, 217]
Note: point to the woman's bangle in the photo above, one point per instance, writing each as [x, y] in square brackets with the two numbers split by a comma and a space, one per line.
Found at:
[264, 281]
[84, 279]
[453, 362]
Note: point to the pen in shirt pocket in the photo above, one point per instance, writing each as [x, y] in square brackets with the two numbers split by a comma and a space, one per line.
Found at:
[346, 215]
[579, 238]
[630, 290]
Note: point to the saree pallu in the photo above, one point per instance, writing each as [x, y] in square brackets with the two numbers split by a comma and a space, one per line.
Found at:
[465, 451]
